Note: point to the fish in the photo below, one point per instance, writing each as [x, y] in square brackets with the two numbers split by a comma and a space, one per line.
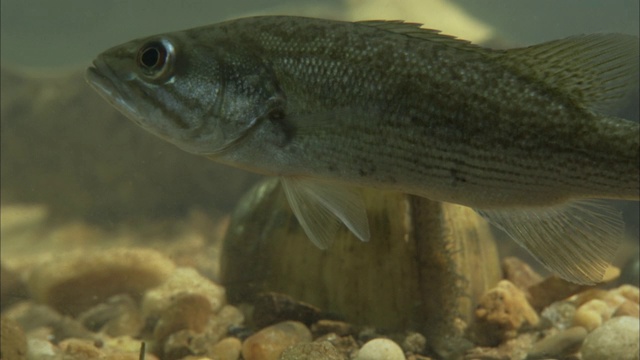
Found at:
[520, 135]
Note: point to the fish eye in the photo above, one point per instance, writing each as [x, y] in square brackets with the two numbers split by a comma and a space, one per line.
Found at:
[154, 59]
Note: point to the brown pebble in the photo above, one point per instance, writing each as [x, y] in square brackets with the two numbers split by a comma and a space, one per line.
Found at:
[630, 292]
[628, 308]
[322, 350]
[81, 349]
[73, 283]
[13, 343]
[592, 314]
[181, 282]
[270, 342]
[340, 328]
[558, 345]
[226, 349]
[271, 308]
[550, 290]
[187, 312]
[588, 295]
[501, 312]
[520, 273]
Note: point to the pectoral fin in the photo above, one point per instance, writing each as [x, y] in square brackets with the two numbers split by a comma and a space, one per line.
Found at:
[320, 207]
[577, 240]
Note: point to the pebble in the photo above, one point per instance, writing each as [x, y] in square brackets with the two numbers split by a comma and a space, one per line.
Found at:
[271, 308]
[501, 311]
[226, 349]
[380, 349]
[554, 289]
[558, 345]
[117, 316]
[73, 349]
[228, 317]
[340, 328]
[616, 339]
[630, 292]
[560, 314]
[34, 317]
[270, 342]
[322, 350]
[550, 290]
[414, 343]
[179, 344]
[592, 314]
[187, 312]
[346, 345]
[198, 339]
[182, 281]
[628, 308]
[13, 340]
[75, 282]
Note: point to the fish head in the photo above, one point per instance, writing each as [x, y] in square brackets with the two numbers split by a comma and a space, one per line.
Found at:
[203, 96]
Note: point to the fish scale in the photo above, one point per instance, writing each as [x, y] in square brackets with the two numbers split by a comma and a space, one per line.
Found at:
[330, 107]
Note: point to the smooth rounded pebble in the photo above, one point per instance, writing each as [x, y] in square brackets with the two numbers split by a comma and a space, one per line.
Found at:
[182, 282]
[226, 349]
[616, 339]
[73, 283]
[592, 314]
[380, 349]
[270, 342]
[322, 350]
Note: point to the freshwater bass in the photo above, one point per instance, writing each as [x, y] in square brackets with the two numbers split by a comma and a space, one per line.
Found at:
[518, 135]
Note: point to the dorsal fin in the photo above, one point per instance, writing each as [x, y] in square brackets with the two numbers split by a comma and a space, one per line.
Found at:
[596, 71]
[416, 30]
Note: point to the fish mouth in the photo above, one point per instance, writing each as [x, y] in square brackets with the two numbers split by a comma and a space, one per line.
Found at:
[102, 79]
[95, 76]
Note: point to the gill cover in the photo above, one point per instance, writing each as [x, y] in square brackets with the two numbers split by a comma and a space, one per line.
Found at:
[246, 92]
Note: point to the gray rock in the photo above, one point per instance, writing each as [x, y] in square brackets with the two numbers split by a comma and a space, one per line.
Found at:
[322, 350]
[615, 339]
[414, 343]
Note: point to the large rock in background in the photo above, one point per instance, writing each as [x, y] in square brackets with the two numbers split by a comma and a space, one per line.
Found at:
[64, 146]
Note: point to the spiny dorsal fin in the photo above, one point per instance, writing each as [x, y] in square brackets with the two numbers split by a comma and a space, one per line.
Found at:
[415, 30]
[597, 70]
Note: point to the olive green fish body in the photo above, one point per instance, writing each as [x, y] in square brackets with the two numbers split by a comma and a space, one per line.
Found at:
[517, 134]
[450, 122]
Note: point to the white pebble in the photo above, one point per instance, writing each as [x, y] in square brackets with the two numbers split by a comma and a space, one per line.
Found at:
[615, 339]
[380, 349]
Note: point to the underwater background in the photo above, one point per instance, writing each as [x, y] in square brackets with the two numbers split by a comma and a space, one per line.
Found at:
[86, 194]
